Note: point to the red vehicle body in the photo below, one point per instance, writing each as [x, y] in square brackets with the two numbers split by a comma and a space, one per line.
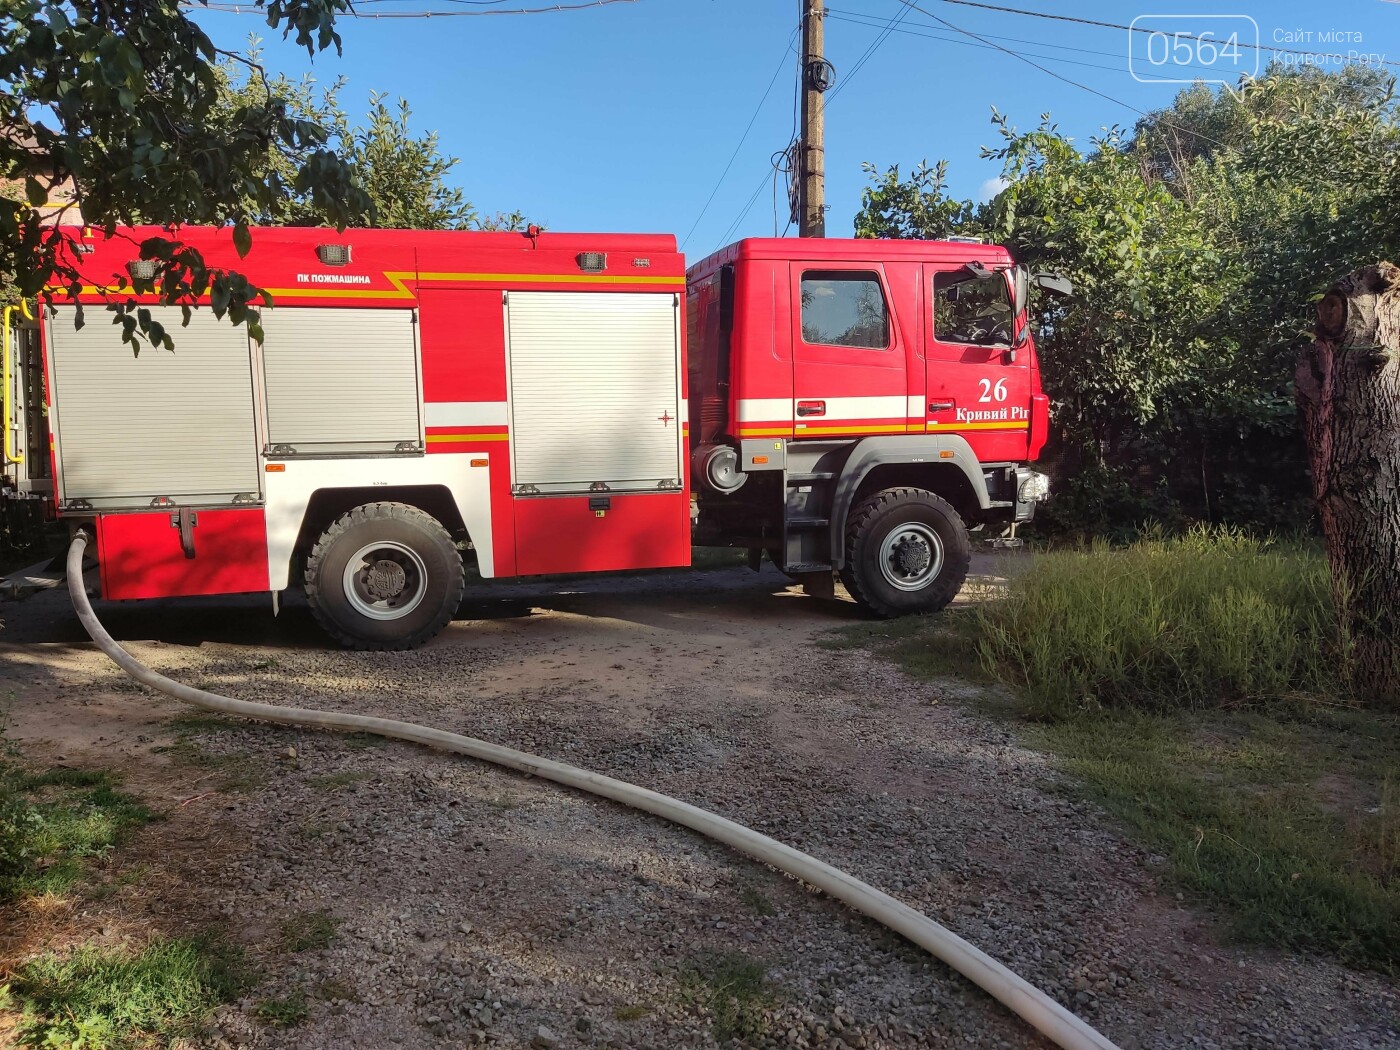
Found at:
[528, 399]
[836, 417]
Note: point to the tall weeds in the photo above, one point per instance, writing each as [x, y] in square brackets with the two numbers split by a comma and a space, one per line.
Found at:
[1211, 618]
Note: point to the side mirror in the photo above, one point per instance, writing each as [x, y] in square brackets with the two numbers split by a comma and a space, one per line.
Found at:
[1054, 283]
[1021, 289]
[1020, 298]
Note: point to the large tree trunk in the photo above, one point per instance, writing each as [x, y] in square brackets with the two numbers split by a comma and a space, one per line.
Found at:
[1348, 386]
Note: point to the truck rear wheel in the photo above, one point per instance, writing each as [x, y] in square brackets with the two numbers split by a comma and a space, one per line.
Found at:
[907, 551]
[384, 576]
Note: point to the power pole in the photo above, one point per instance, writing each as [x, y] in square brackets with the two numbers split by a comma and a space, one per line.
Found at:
[811, 152]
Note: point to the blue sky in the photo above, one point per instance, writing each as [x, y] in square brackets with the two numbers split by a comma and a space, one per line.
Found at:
[622, 118]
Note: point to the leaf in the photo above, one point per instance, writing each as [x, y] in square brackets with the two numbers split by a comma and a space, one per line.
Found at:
[242, 239]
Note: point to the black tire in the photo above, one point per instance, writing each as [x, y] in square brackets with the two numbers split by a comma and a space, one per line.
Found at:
[407, 584]
[888, 538]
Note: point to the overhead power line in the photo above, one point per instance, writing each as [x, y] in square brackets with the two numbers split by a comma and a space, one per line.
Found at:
[742, 139]
[1060, 77]
[464, 3]
[884, 34]
[1130, 29]
[249, 9]
[744, 212]
[856, 18]
[987, 42]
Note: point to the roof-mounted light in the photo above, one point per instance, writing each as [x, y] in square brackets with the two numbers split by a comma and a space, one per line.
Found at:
[333, 254]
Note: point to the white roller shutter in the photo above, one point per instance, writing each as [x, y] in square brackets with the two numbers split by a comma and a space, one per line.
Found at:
[595, 391]
[341, 379]
[132, 428]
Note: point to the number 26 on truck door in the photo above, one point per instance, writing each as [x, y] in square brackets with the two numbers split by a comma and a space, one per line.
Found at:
[990, 392]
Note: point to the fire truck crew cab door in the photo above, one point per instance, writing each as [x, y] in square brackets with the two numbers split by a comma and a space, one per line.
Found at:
[848, 358]
[973, 386]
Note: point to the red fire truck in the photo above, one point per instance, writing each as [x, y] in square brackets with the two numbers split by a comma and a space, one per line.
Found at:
[537, 403]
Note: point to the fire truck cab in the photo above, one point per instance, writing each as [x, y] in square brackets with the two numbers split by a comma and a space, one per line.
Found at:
[857, 405]
[412, 401]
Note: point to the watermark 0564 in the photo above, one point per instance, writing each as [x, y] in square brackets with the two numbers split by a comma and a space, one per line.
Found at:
[1182, 49]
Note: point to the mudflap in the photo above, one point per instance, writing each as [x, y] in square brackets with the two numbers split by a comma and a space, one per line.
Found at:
[817, 584]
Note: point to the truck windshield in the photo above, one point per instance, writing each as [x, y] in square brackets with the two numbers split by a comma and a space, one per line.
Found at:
[968, 310]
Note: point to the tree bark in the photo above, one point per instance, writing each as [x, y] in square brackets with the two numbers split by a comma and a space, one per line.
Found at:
[1348, 390]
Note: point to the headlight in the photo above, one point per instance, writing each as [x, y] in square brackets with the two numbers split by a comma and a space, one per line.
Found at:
[1034, 488]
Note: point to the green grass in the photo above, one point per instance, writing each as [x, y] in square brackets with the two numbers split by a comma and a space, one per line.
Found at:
[1192, 688]
[52, 823]
[314, 829]
[332, 989]
[756, 901]
[201, 722]
[1213, 617]
[100, 999]
[285, 1012]
[309, 931]
[943, 645]
[133, 876]
[734, 990]
[363, 741]
[187, 752]
[1288, 817]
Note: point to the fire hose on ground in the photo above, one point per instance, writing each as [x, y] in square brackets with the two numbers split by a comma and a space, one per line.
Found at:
[1040, 1011]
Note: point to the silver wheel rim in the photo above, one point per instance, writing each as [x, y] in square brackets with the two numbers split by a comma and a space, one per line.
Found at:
[385, 580]
[911, 556]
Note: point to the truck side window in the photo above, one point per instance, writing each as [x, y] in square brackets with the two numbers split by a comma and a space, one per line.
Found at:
[844, 308]
[968, 310]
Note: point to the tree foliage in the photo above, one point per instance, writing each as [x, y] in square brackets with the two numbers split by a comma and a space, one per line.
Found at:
[918, 208]
[118, 98]
[1197, 242]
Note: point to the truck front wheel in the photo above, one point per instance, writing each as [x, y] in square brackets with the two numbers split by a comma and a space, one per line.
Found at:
[384, 576]
[907, 551]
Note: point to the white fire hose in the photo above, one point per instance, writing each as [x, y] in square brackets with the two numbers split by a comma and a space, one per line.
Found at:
[1033, 1005]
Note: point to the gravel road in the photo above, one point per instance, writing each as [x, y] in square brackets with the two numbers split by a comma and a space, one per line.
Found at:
[475, 906]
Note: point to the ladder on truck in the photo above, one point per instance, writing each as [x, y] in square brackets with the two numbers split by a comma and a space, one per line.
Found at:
[26, 478]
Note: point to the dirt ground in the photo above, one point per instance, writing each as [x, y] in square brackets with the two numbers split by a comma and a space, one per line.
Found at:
[476, 906]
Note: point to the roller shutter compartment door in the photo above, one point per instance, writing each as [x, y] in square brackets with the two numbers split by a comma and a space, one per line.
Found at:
[131, 428]
[595, 391]
[341, 380]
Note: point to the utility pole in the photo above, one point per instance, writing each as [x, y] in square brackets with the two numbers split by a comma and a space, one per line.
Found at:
[811, 152]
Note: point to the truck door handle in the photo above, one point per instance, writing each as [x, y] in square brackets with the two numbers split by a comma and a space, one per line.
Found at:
[811, 408]
[940, 406]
